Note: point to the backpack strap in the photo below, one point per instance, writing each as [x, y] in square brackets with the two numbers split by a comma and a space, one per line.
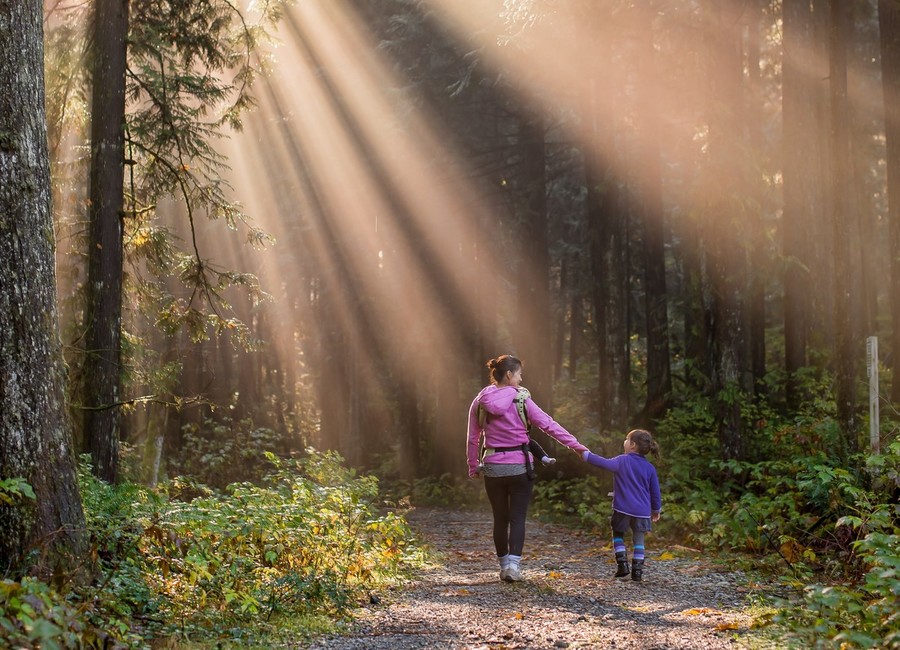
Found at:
[523, 395]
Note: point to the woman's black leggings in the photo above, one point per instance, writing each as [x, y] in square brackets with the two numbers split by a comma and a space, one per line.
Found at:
[509, 497]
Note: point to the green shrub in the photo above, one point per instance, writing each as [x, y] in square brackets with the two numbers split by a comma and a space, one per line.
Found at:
[224, 451]
[855, 613]
[583, 500]
[33, 615]
[188, 562]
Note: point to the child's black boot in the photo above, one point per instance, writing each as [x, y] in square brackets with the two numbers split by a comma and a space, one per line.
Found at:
[622, 565]
[637, 570]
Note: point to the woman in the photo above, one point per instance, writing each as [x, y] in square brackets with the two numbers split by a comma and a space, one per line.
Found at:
[495, 415]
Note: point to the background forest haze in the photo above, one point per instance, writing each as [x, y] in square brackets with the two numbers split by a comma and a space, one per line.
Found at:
[333, 213]
[254, 257]
[643, 201]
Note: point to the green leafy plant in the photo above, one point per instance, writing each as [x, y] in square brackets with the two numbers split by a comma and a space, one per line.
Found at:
[245, 565]
[12, 489]
[34, 615]
[854, 613]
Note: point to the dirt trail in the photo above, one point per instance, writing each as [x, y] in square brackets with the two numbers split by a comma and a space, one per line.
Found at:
[568, 598]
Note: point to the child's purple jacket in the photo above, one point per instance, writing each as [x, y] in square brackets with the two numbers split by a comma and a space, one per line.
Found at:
[504, 427]
[635, 483]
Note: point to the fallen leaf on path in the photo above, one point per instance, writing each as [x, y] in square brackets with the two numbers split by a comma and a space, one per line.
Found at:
[457, 592]
[684, 549]
[698, 611]
[726, 626]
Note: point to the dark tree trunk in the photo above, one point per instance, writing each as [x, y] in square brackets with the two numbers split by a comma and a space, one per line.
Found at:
[576, 323]
[659, 378]
[605, 221]
[728, 268]
[103, 314]
[846, 351]
[756, 324]
[889, 24]
[560, 328]
[820, 234]
[695, 310]
[864, 216]
[532, 335]
[35, 436]
[409, 439]
[796, 115]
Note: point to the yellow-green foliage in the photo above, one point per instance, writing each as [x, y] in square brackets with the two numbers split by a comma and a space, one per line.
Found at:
[185, 562]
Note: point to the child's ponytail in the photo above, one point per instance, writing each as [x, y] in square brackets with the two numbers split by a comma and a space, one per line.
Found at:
[644, 442]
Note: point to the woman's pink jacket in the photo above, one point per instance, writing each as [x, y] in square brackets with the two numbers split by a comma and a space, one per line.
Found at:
[504, 428]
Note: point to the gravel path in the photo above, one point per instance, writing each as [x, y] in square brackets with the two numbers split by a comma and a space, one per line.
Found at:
[567, 600]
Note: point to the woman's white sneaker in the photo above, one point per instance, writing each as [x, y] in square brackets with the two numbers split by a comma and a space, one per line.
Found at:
[513, 574]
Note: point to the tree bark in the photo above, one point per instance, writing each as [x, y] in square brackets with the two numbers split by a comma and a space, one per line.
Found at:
[605, 221]
[728, 268]
[35, 436]
[756, 304]
[103, 313]
[846, 339]
[532, 335]
[576, 323]
[889, 25]
[659, 377]
[798, 204]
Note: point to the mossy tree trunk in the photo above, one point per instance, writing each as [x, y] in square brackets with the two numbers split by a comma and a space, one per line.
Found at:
[45, 533]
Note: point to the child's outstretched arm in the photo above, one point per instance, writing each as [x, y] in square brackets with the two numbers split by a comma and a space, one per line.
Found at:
[610, 464]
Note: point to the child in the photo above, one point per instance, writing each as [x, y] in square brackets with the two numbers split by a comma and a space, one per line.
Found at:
[636, 497]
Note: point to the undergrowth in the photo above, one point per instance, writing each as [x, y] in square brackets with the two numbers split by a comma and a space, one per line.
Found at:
[249, 565]
[825, 529]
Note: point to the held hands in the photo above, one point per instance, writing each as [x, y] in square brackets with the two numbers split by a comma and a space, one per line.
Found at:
[585, 454]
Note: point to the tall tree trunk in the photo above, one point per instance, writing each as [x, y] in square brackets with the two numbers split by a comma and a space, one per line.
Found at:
[889, 25]
[728, 269]
[798, 201]
[604, 220]
[560, 327]
[532, 335]
[756, 324]
[576, 323]
[659, 378]
[695, 310]
[103, 312]
[861, 203]
[35, 436]
[820, 326]
[846, 350]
